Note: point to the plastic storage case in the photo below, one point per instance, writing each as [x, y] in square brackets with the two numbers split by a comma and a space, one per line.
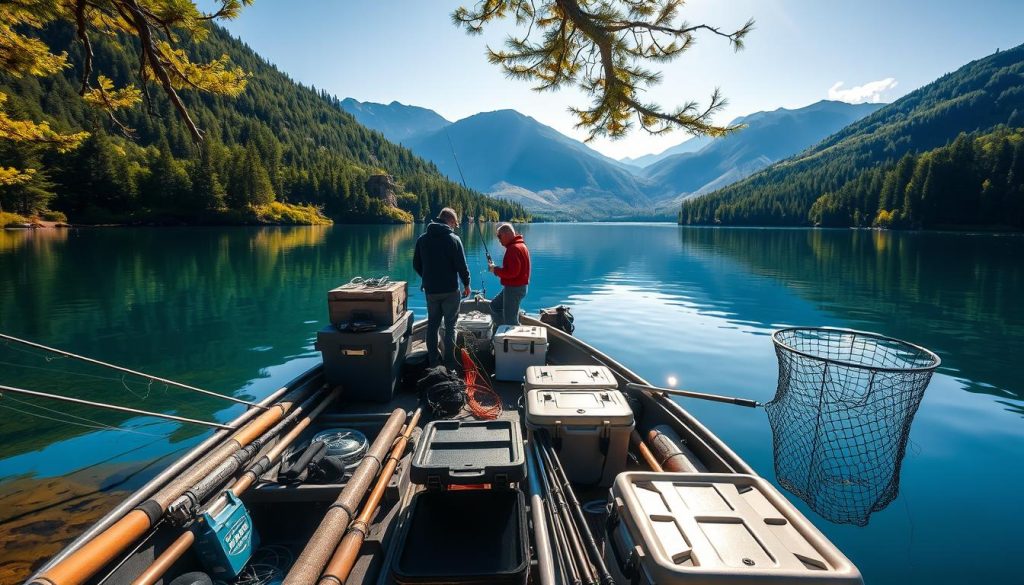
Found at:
[475, 329]
[570, 377]
[589, 429]
[367, 364]
[465, 535]
[715, 529]
[517, 347]
[383, 304]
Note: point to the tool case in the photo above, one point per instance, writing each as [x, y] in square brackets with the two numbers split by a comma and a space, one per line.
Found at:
[466, 536]
[368, 364]
[356, 301]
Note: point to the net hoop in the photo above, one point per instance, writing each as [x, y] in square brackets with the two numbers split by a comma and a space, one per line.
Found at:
[783, 339]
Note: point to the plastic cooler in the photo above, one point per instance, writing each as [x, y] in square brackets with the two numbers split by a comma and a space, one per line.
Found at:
[465, 535]
[367, 364]
[517, 347]
[384, 305]
[715, 529]
[475, 329]
[589, 428]
[571, 377]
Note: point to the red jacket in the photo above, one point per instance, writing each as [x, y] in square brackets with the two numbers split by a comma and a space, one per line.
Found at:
[515, 266]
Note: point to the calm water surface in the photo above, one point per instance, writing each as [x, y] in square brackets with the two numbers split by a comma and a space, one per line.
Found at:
[236, 311]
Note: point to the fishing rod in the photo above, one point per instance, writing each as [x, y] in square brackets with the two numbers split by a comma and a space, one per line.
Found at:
[544, 563]
[701, 395]
[487, 251]
[127, 371]
[79, 566]
[344, 559]
[583, 572]
[310, 564]
[555, 468]
[114, 407]
[184, 509]
[181, 545]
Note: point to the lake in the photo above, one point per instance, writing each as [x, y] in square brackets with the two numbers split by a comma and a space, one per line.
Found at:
[236, 310]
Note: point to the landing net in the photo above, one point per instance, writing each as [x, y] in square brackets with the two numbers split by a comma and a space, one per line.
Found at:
[841, 416]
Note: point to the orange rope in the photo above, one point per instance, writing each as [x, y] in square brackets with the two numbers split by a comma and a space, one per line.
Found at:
[472, 374]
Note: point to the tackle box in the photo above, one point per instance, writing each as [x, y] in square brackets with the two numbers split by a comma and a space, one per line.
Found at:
[517, 347]
[588, 428]
[385, 305]
[715, 529]
[570, 378]
[465, 536]
[474, 329]
[367, 364]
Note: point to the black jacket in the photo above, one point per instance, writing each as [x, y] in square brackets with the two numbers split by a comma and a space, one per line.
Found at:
[440, 259]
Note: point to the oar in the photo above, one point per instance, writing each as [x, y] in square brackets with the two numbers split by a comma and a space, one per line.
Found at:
[340, 565]
[314, 557]
[127, 371]
[79, 566]
[701, 395]
[114, 407]
[181, 545]
[637, 441]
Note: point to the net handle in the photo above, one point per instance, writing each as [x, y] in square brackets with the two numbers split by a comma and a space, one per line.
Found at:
[936, 361]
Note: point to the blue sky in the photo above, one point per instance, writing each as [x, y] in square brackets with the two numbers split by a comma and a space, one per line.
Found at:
[409, 51]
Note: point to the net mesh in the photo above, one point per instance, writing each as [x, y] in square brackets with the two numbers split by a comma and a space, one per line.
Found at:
[841, 416]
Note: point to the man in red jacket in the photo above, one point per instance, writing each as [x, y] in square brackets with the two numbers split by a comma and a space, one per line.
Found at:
[514, 274]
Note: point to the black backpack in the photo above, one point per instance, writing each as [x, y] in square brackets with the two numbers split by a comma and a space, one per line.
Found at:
[559, 317]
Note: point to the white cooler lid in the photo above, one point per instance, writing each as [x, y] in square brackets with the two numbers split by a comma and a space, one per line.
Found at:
[548, 408]
[534, 333]
[570, 376]
[721, 528]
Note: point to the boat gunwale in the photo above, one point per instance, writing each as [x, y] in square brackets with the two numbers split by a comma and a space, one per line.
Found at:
[161, 479]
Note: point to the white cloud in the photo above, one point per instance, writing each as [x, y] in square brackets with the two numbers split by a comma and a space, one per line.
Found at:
[869, 92]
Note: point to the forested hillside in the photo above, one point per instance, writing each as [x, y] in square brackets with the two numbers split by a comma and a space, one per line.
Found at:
[946, 155]
[276, 142]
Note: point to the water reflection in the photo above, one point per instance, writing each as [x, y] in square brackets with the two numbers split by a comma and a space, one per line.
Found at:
[235, 311]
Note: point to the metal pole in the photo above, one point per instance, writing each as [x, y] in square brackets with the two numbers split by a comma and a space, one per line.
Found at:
[133, 372]
[546, 566]
[112, 407]
[701, 395]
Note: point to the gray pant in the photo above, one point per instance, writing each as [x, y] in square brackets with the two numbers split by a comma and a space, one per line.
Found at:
[505, 306]
[440, 305]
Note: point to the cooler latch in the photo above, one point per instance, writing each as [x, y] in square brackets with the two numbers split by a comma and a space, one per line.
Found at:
[604, 442]
[434, 482]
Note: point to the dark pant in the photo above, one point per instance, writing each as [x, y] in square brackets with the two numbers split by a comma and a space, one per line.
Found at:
[505, 306]
[440, 305]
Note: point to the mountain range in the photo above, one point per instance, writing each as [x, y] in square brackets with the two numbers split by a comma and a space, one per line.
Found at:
[948, 154]
[512, 156]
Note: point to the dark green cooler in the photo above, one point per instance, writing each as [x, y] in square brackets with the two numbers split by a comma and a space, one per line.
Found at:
[367, 364]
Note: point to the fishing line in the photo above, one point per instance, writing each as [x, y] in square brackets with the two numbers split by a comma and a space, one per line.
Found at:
[95, 425]
[123, 379]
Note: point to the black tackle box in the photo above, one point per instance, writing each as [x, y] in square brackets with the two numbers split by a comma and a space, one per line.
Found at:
[367, 364]
[468, 536]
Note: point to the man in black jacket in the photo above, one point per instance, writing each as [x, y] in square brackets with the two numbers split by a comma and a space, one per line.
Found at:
[440, 260]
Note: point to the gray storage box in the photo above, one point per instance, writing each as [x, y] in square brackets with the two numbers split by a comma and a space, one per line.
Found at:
[368, 365]
[474, 329]
[715, 529]
[570, 377]
[589, 428]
